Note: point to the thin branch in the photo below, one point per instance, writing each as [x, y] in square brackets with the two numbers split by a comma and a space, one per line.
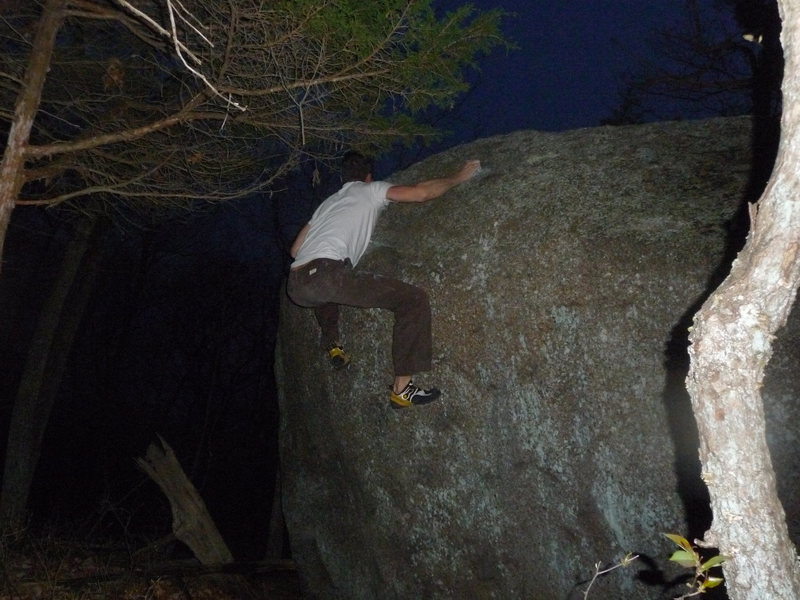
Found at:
[305, 83]
[626, 560]
[194, 26]
[195, 72]
[120, 136]
[157, 28]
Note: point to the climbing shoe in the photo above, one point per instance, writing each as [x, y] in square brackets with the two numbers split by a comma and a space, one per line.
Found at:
[412, 395]
[338, 358]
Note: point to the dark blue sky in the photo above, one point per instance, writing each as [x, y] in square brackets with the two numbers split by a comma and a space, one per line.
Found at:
[571, 55]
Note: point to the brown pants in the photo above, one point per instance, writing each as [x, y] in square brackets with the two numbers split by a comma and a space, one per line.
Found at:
[324, 284]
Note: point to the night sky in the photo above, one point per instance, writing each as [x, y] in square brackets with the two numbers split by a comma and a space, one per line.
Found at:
[570, 59]
[152, 311]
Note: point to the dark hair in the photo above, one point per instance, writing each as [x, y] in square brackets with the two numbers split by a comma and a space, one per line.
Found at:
[355, 167]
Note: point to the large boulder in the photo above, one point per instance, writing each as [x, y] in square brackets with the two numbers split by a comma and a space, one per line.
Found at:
[562, 281]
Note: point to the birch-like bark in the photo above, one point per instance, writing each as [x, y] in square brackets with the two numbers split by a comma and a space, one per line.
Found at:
[13, 164]
[731, 344]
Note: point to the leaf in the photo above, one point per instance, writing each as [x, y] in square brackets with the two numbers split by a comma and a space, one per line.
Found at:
[713, 562]
[680, 541]
[683, 558]
[711, 582]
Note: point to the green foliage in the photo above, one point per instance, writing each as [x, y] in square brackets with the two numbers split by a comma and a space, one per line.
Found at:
[689, 557]
[418, 58]
[126, 117]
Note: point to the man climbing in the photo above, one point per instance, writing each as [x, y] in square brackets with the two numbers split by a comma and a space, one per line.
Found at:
[330, 245]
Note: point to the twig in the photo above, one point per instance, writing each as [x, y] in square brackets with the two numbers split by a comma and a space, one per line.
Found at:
[155, 26]
[192, 70]
[192, 26]
[626, 560]
[181, 50]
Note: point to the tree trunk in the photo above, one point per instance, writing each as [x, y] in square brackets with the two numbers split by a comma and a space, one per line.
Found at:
[44, 368]
[731, 346]
[276, 523]
[13, 164]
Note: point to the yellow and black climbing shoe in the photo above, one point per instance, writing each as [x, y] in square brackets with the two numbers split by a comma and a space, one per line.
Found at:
[413, 395]
[338, 358]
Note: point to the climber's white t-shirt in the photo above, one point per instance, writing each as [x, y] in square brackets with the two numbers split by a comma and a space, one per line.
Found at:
[342, 225]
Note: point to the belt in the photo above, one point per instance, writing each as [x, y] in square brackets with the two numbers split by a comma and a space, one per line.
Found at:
[316, 260]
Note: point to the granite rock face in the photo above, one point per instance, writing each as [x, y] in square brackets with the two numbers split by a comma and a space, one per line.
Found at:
[562, 279]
